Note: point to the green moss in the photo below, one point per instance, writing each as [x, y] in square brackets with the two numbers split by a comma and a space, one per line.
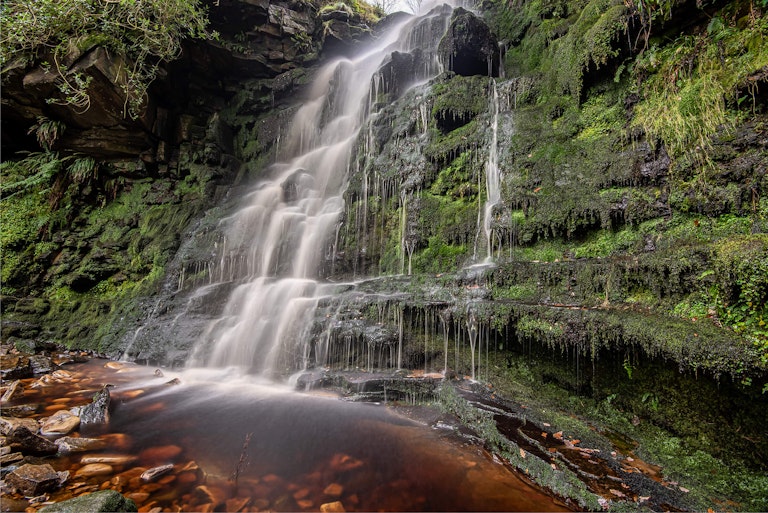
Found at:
[692, 82]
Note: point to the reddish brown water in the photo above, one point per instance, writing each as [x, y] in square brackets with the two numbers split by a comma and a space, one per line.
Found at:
[304, 451]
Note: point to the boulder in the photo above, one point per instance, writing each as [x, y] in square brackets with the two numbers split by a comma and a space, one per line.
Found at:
[98, 411]
[96, 502]
[468, 46]
[41, 364]
[8, 424]
[60, 423]
[22, 439]
[14, 366]
[11, 391]
[33, 480]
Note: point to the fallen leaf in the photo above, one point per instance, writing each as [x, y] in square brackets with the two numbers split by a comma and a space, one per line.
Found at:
[544, 434]
[575, 441]
[617, 493]
[554, 467]
[684, 490]
[558, 435]
[547, 424]
[643, 499]
[552, 449]
[522, 453]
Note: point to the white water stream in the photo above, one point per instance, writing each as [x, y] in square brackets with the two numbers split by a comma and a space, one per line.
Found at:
[284, 231]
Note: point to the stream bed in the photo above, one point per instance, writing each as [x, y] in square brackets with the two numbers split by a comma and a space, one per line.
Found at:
[233, 442]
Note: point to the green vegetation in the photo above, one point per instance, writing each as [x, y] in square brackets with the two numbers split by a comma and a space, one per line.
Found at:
[697, 83]
[370, 13]
[55, 33]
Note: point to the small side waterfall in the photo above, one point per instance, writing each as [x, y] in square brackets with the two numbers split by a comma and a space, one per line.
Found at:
[492, 175]
[285, 230]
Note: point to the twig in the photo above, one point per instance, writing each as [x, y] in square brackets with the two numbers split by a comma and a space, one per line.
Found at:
[243, 461]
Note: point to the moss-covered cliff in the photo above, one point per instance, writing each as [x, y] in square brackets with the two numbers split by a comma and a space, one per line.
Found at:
[100, 187]
[621, 276]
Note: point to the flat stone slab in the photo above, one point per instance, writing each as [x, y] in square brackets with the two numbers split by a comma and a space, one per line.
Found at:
[60, 423]
[70, 444]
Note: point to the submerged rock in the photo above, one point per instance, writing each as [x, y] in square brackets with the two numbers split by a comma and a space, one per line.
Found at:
[94, 469]
[96, 502]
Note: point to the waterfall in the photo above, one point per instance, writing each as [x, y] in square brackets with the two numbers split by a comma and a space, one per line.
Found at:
[492, 175]
[286, 226]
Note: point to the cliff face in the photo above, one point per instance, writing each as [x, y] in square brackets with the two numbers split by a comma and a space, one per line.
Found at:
[92, 223]
[608, 157]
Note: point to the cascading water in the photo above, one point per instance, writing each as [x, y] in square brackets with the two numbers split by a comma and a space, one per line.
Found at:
[288, 222]
[492, 177]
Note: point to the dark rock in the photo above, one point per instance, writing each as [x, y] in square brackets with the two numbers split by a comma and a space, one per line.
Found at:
[151, 474]
[98, 411]
[10, 504]
[7, 462]
[22, 439]
[468, 46]
[41, 364]
[13, 366]
[96, 502]
[32, 480]
[21, 410]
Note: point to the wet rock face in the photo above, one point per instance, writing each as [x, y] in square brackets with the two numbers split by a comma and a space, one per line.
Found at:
[468, 47]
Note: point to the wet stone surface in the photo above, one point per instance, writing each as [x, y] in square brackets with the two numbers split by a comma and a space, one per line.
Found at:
[195, 446]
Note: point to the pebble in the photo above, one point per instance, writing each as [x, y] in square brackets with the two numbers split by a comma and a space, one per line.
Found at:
[152, 474]
[160, 454]
[138, 497]
[94, 469]
[119, 441]
[237, 503]
[334, 490]
[332, 507]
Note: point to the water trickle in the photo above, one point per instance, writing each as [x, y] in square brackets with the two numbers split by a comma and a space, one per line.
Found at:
[492, 176]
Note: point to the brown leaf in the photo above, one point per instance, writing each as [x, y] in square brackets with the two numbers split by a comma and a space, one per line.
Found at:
[544, 434]
[558, 435]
